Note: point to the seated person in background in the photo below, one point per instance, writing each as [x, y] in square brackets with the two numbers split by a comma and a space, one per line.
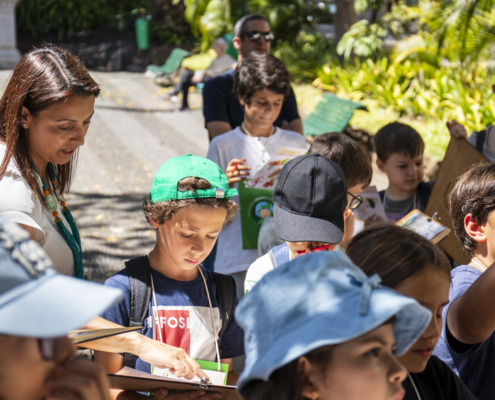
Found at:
[261, 83]
[309, 202]
[189, 203]
[399, 150]
[221, 106]
[38, 308]
[484, 141]
[356, 165]
[219, 65]
[318, 328]
[467, 343]
[412, 265]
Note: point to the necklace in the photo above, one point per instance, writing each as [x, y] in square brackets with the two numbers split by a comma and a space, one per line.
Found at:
[478, 264]
[73, 239]
[266, 143]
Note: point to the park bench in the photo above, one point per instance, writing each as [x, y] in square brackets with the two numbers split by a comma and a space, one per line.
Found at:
[332, 114]
[165, 73]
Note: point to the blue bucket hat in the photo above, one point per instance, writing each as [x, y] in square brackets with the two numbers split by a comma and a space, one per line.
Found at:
[35, 300]
[318, 300]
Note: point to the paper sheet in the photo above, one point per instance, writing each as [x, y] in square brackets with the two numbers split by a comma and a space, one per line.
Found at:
[210, 368]
[371, 211]
[267, 176]
[419, 224]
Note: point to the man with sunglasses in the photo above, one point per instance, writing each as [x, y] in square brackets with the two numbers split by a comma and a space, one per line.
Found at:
[221, 108]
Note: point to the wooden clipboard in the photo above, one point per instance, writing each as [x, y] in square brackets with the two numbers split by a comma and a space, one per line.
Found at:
[88, 335]
[459, 157]
[138, 381]
[437, 238]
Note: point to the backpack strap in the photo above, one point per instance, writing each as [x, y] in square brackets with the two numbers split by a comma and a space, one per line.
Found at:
[480, 140]
[226, 298]
[279, 255]
[139, 272]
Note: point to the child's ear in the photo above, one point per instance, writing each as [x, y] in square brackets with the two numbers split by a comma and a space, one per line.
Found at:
[241, 100]
[307, 373]
[473, 229]
[154, 224]
[380, 164]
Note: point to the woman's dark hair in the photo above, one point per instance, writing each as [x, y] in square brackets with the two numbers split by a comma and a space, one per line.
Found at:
[260, 72]
[41, 78]
[395, 253]
[285, 383]
[165, 210]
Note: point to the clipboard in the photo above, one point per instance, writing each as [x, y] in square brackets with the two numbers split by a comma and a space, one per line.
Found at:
[138, 381]
[424, 225]
[88, 335]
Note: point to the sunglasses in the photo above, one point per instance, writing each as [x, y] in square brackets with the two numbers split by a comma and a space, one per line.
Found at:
[355, 202]
[255, 36]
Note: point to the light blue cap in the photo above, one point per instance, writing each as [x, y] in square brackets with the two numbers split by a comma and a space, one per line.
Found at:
[318, 300]
[36, 301]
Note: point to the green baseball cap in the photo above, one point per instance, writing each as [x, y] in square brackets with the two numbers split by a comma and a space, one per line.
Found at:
[169, 175]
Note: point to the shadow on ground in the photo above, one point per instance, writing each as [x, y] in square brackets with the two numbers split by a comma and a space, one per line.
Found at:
[113, 230]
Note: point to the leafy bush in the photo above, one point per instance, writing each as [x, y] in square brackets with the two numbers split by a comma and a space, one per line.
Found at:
[305, 55]
[60, 16]
[418, 89]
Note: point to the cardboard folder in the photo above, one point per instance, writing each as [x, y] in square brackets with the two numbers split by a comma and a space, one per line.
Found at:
[138, 381]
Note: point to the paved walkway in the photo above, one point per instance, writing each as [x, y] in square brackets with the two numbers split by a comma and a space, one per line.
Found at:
[132, 133]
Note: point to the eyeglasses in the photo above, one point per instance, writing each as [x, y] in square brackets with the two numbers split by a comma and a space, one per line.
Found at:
[255, 36]
[355, 202]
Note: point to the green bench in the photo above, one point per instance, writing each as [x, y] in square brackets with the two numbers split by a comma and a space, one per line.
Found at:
[165, 73]
[332, 114]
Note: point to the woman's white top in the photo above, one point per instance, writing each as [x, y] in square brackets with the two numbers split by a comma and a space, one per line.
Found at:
[19, 204]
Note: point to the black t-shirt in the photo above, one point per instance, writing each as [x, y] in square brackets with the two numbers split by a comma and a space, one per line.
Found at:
[221, 104]
[437, 382]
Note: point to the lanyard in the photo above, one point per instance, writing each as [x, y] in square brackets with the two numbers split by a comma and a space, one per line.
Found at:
[414, 386]
[155, 316]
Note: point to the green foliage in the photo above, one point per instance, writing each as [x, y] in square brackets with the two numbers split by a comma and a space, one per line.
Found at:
[418, 89]
[64, 17]
[362, 39]
[305, 55]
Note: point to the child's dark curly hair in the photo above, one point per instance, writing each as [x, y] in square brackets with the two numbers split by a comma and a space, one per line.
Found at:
[260, 72]
[165, 210]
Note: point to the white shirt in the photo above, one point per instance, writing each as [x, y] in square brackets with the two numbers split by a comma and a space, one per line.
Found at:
[19, 204]
[231, 258]
[258, 270]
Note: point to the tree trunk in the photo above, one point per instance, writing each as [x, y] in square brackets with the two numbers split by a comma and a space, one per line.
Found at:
[344, 17]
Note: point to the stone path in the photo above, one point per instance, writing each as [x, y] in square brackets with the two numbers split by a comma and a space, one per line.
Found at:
[132, 133]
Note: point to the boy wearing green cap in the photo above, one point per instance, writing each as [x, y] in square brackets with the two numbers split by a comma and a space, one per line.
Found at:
[182, 303]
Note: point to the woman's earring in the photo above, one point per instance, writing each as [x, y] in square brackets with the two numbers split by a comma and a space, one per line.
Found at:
[314, 395]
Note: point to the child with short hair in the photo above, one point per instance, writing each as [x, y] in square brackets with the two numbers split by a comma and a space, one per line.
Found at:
[261, 82]
[318, 328]
[399, 150]
[308, 212]
[189, 203]
[356, 165]
[467, 344]
[412, 265]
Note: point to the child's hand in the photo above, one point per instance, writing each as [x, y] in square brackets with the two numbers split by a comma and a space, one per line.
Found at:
[162, 394]
[457, 130]
[79, 379]
[237, 171]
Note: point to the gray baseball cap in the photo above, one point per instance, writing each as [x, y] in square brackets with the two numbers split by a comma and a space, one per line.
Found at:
[36, 301]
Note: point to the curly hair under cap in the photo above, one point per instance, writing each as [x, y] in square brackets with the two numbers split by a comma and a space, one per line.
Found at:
[166, 210]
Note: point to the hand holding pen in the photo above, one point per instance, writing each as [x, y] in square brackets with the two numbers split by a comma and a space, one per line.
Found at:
[237, 171]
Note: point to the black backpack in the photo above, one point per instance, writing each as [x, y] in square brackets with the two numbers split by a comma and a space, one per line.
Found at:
[480, 140]
[139, 272]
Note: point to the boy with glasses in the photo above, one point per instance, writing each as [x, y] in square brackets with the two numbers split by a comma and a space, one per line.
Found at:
[356, 165]
[221, 108]
[308, 213]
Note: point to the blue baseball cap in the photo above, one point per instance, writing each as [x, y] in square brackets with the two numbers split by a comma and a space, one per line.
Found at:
[36, 301]
[318, 300]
